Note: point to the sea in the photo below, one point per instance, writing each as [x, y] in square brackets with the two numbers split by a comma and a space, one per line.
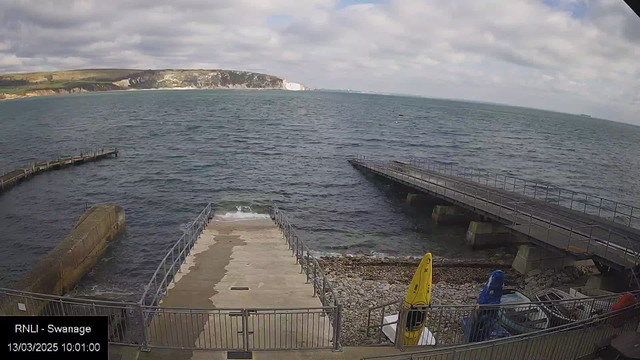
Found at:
[244, 151]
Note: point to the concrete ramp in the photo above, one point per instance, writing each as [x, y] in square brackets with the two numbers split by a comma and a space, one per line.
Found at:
[240, 275]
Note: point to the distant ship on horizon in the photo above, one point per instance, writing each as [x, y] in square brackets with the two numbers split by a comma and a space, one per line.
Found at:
[585, 115]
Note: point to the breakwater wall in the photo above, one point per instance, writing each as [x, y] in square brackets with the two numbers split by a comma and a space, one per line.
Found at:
[60, 270]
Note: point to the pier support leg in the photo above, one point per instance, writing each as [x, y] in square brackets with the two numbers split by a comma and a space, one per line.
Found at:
[532, 257]
[486, 234]
[450, 215]
[611, 283]
[420, 199]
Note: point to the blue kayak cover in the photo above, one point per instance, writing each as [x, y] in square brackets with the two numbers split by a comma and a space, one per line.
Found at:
[492, 290]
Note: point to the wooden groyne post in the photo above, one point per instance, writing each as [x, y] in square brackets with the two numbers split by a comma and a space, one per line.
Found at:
[13, 177]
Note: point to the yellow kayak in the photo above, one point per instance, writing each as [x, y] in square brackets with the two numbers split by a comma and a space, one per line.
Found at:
[419, 294]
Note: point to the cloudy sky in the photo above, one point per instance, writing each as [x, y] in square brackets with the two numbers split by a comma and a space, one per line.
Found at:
[579, 56]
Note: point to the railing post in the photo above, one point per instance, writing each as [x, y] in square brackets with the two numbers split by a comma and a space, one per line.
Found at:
[315, 278]
[586, 200]
[600, 207]
[324, 293]
[337, 328]
[400, 326]
[179, 256]
[615, 212]
[145, 334]
[307, 263]
[607, 249]
[570, 236]
[245, 329]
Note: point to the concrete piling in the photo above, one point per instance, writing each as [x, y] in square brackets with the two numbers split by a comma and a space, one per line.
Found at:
[451, 215]
[532, 257]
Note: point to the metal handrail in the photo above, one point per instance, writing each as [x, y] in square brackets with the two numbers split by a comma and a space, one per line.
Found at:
[512, 211]
[182, 247]
[583, 324]
[303, 255]
[307, 261]
[576, 196]
[493, 179]
[635, 293]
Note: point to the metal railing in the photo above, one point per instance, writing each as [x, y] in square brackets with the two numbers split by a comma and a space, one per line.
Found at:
[308, 263]
[567, 342]
[535, 221]
[311, 268]
[170, 264]
[189, 328]
[126, 322]
[457, 324]
[243, 329]
[147, 325]
[615, 211]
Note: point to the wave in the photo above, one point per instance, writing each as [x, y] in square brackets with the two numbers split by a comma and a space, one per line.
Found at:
[242, 213]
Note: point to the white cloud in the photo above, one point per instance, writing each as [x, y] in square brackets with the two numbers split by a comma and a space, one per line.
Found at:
[576, 56]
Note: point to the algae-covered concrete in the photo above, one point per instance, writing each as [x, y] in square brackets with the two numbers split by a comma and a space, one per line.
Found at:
[76, 254]
[241, 264]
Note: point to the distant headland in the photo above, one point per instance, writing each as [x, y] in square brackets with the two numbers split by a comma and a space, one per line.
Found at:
[21, 85]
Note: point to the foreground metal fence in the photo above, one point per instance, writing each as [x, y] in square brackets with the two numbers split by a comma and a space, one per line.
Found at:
[190, 328]
[567, 342]
[446, 323]
[572, 234]
[589, 204]
[244, 329]
[126, 323]
[170, 264]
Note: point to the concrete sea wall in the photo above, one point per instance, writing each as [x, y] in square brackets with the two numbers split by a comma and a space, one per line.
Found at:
[75, 255]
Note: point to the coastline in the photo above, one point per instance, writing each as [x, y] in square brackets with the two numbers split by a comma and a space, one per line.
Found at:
[362, 282]
[50, 92]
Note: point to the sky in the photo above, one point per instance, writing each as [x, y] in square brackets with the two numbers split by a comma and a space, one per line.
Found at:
[576, 56]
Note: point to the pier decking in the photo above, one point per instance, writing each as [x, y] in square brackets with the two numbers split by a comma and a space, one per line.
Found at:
[530, 212]
[11, 178]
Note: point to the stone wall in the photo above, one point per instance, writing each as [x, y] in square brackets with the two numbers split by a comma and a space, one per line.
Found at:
[60, 270]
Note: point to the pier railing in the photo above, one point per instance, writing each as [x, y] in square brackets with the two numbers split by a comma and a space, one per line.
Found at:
[615, 211]
[156, 288]
[566, 342]
[446, 327]
[573, 234]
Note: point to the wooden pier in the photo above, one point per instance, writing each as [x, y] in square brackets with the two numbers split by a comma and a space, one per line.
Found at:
[591, 230]
[11, 178]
